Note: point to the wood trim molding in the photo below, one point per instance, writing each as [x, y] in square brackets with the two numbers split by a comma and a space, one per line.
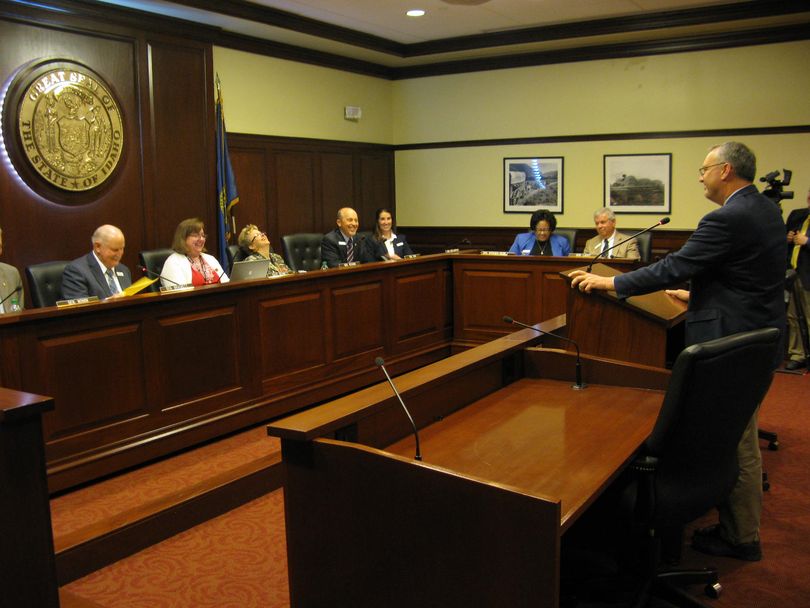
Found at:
[589, 137]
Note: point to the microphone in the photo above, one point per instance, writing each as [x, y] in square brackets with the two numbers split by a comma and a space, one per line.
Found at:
[17, 289]
[578, 385]
[661, 222]
[145, 270]
[381, 364]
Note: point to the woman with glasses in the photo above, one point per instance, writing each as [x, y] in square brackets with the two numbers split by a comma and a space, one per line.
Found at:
[541, 240]
[189, 264]
[256, 246]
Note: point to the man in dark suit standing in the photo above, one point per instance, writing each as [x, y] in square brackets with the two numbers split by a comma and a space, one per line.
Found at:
[735, 262]
[342, 246]
[100, 272]
[798, 227]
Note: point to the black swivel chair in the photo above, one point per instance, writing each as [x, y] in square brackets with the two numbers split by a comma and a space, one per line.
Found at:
[234, 253]
[153, 260]
[645, 246]
[689, 462]
[302, 250]
[45, 283]
[570, 234]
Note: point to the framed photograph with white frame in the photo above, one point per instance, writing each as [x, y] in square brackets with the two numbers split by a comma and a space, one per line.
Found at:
[638, 183]
[530, 184]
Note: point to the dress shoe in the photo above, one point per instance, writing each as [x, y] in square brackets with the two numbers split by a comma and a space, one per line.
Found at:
[708, 540]
[792, 366]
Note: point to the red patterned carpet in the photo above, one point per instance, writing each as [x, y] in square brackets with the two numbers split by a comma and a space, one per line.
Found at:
[238, 559]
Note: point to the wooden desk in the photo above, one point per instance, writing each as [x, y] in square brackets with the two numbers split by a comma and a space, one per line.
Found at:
[142, 377]
[511, 457]
[27, 567]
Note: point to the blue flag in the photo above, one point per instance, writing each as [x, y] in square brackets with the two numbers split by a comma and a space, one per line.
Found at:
[227, 196]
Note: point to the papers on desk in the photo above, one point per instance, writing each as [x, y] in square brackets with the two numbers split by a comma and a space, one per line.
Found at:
[138, 285]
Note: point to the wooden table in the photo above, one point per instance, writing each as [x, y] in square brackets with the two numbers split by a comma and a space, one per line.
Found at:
[512, 455]
[138, 378]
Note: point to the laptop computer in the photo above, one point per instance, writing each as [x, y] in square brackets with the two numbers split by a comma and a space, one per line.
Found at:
[253, 269]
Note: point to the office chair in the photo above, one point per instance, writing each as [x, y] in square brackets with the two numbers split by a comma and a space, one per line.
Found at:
[45, 283]
[644, 242]
[235, 254]
[688, 464]
[302, 251]
[570, 234]
[153, 260]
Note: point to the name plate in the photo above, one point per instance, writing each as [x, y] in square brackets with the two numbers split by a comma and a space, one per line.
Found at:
[77, 301]
[348, 264]
[494, 253]
[174, 288]
[454, 250]
[412, 256]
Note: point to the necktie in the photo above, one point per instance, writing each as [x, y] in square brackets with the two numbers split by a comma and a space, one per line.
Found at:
[111, 282]
[605, 245]
[794, 256]
[350, 250]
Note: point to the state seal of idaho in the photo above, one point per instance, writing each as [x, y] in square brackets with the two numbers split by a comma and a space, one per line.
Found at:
[70, 128]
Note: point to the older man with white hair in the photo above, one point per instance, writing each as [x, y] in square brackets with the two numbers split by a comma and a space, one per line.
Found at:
[607, 236]
[100, 272]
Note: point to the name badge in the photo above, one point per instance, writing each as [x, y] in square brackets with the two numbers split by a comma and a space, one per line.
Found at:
[526, 252]
[341, 242]
[398, 244]
[120, 274]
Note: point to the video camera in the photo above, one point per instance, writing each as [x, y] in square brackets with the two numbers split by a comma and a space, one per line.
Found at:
[776, 187]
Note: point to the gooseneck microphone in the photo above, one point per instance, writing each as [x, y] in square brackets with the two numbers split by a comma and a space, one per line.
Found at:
[381, 364]
[578, 385]
[144, 269]
[17, 289]
[661, 222]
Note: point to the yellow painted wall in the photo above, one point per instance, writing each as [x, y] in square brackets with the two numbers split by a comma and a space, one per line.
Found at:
[268, 96]
[761, 86]
[726, 89]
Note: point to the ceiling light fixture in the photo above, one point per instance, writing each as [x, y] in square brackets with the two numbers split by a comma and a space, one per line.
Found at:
[415, 12]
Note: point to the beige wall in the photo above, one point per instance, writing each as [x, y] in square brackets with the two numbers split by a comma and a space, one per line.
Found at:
[267, 96]
[724, 89]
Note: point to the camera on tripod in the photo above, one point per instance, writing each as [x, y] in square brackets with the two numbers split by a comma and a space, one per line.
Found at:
[776, 187]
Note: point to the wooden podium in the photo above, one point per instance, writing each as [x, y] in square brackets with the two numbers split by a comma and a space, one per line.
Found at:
[512, 456]
[640, 329]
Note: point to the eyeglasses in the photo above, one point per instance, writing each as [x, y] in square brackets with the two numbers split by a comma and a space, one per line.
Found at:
[542, 229]
[198, 235]
[702, 170]
[257, 235]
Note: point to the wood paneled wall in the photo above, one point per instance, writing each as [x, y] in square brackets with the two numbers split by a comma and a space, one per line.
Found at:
[164, 87]
[289, 185]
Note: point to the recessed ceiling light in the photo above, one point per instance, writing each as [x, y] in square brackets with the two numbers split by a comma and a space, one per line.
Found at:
[415, 12]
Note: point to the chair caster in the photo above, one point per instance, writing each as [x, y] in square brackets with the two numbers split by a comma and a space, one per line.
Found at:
[713, 591]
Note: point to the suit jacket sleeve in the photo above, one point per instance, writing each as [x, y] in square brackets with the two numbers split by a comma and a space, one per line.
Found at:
[74, 281]
[406, 248]
[711, 242]
[329, 250]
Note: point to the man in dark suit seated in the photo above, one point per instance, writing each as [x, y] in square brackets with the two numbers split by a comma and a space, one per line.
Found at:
[735, 262]
[341, 246]
[798, 227]
[99, 273]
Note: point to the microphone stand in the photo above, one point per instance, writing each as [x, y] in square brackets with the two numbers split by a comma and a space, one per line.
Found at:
[660, 222]
[381, 364]
[578, 385]
[159, 276]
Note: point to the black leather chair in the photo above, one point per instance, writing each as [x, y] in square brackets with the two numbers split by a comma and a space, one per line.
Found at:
[644, 242]
[688, 464]
[153, 260]
[302, 251]
[45, 283]
[570, 234]
[234, 253]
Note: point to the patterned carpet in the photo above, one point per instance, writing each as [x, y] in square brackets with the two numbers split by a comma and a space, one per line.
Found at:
[239, 559]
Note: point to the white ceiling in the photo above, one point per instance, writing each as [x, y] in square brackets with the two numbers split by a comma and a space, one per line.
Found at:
[445, 19]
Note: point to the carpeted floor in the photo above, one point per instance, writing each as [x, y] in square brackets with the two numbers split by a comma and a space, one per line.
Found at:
[238, 559]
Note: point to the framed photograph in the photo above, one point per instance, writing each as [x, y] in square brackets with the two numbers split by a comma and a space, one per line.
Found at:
[638, 183]
[530, 184]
